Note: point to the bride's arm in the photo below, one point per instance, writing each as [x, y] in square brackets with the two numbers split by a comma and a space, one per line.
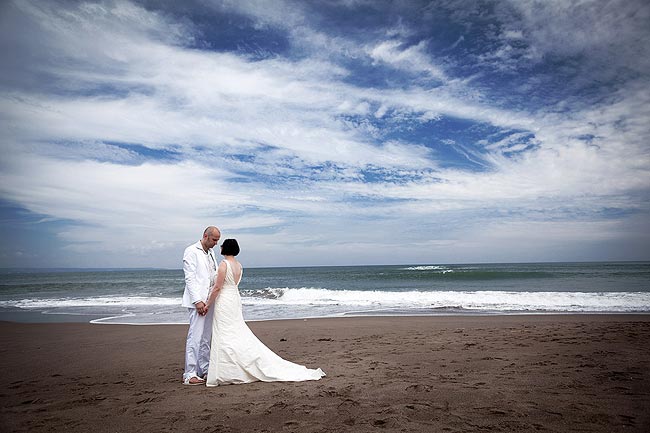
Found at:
[218, 284]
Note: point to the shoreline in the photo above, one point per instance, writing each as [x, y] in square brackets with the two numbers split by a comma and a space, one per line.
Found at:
[525, 373]
[23, 316]
[361, 315]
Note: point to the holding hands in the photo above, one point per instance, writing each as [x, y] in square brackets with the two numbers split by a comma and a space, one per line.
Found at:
[202, 308]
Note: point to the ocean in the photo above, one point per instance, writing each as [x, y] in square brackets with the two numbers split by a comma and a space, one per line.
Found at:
[153, 296]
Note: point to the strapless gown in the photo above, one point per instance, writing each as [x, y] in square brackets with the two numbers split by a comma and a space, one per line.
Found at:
[237, 355]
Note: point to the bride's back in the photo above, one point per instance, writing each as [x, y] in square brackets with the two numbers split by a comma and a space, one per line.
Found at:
[234, 272]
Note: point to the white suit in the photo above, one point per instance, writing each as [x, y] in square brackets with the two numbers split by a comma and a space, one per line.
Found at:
[200, 269]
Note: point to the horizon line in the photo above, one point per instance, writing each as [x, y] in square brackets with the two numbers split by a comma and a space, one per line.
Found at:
[143, 268]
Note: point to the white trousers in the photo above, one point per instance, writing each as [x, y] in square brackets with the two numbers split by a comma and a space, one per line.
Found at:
[197, 347]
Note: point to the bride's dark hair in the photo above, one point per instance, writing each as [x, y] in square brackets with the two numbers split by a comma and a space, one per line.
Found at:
[229, 247]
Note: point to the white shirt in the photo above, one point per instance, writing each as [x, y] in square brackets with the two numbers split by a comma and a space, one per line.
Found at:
[200, 269]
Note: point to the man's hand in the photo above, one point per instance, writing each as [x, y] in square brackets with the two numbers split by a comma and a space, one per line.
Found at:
[201, 308]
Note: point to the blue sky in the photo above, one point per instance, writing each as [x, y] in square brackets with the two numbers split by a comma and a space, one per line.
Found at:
[324, 132]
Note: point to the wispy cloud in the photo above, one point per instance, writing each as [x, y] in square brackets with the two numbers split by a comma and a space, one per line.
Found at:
[413, 58]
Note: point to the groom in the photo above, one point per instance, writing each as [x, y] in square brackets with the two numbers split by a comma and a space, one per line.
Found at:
[199, 267]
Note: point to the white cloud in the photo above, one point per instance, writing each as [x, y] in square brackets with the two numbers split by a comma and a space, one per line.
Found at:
[605, 39]
[566, 28]
[412, 58]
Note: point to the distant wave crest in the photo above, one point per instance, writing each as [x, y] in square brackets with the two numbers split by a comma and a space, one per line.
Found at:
[437, 268]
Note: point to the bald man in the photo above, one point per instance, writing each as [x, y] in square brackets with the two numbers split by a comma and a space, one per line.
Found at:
[200, 268]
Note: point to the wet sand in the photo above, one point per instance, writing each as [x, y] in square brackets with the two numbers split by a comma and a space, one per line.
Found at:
[559, 373]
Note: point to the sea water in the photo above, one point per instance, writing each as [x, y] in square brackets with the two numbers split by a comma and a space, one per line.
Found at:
[148, 296]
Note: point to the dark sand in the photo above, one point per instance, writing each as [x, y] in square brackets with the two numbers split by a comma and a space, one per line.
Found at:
[587, 373]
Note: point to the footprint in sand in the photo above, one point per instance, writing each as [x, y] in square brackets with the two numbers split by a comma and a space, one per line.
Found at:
[418, 388]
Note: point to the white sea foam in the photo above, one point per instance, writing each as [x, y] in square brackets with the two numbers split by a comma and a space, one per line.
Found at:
[469, 300]
[306, 296]
[112, 301]
[440, 269]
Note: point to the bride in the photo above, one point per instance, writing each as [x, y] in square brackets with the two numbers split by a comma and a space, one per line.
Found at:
[236, 354]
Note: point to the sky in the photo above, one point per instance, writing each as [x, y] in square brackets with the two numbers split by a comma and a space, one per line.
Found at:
[332, 132]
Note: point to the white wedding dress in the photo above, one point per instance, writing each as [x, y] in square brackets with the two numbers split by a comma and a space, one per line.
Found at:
[236, 354]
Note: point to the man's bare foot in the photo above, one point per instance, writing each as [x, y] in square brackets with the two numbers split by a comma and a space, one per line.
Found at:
[193, 381]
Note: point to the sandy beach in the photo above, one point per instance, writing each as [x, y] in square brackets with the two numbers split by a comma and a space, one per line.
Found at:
[553, 373]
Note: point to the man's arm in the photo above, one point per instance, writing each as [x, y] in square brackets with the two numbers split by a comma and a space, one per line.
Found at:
[189, 269]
